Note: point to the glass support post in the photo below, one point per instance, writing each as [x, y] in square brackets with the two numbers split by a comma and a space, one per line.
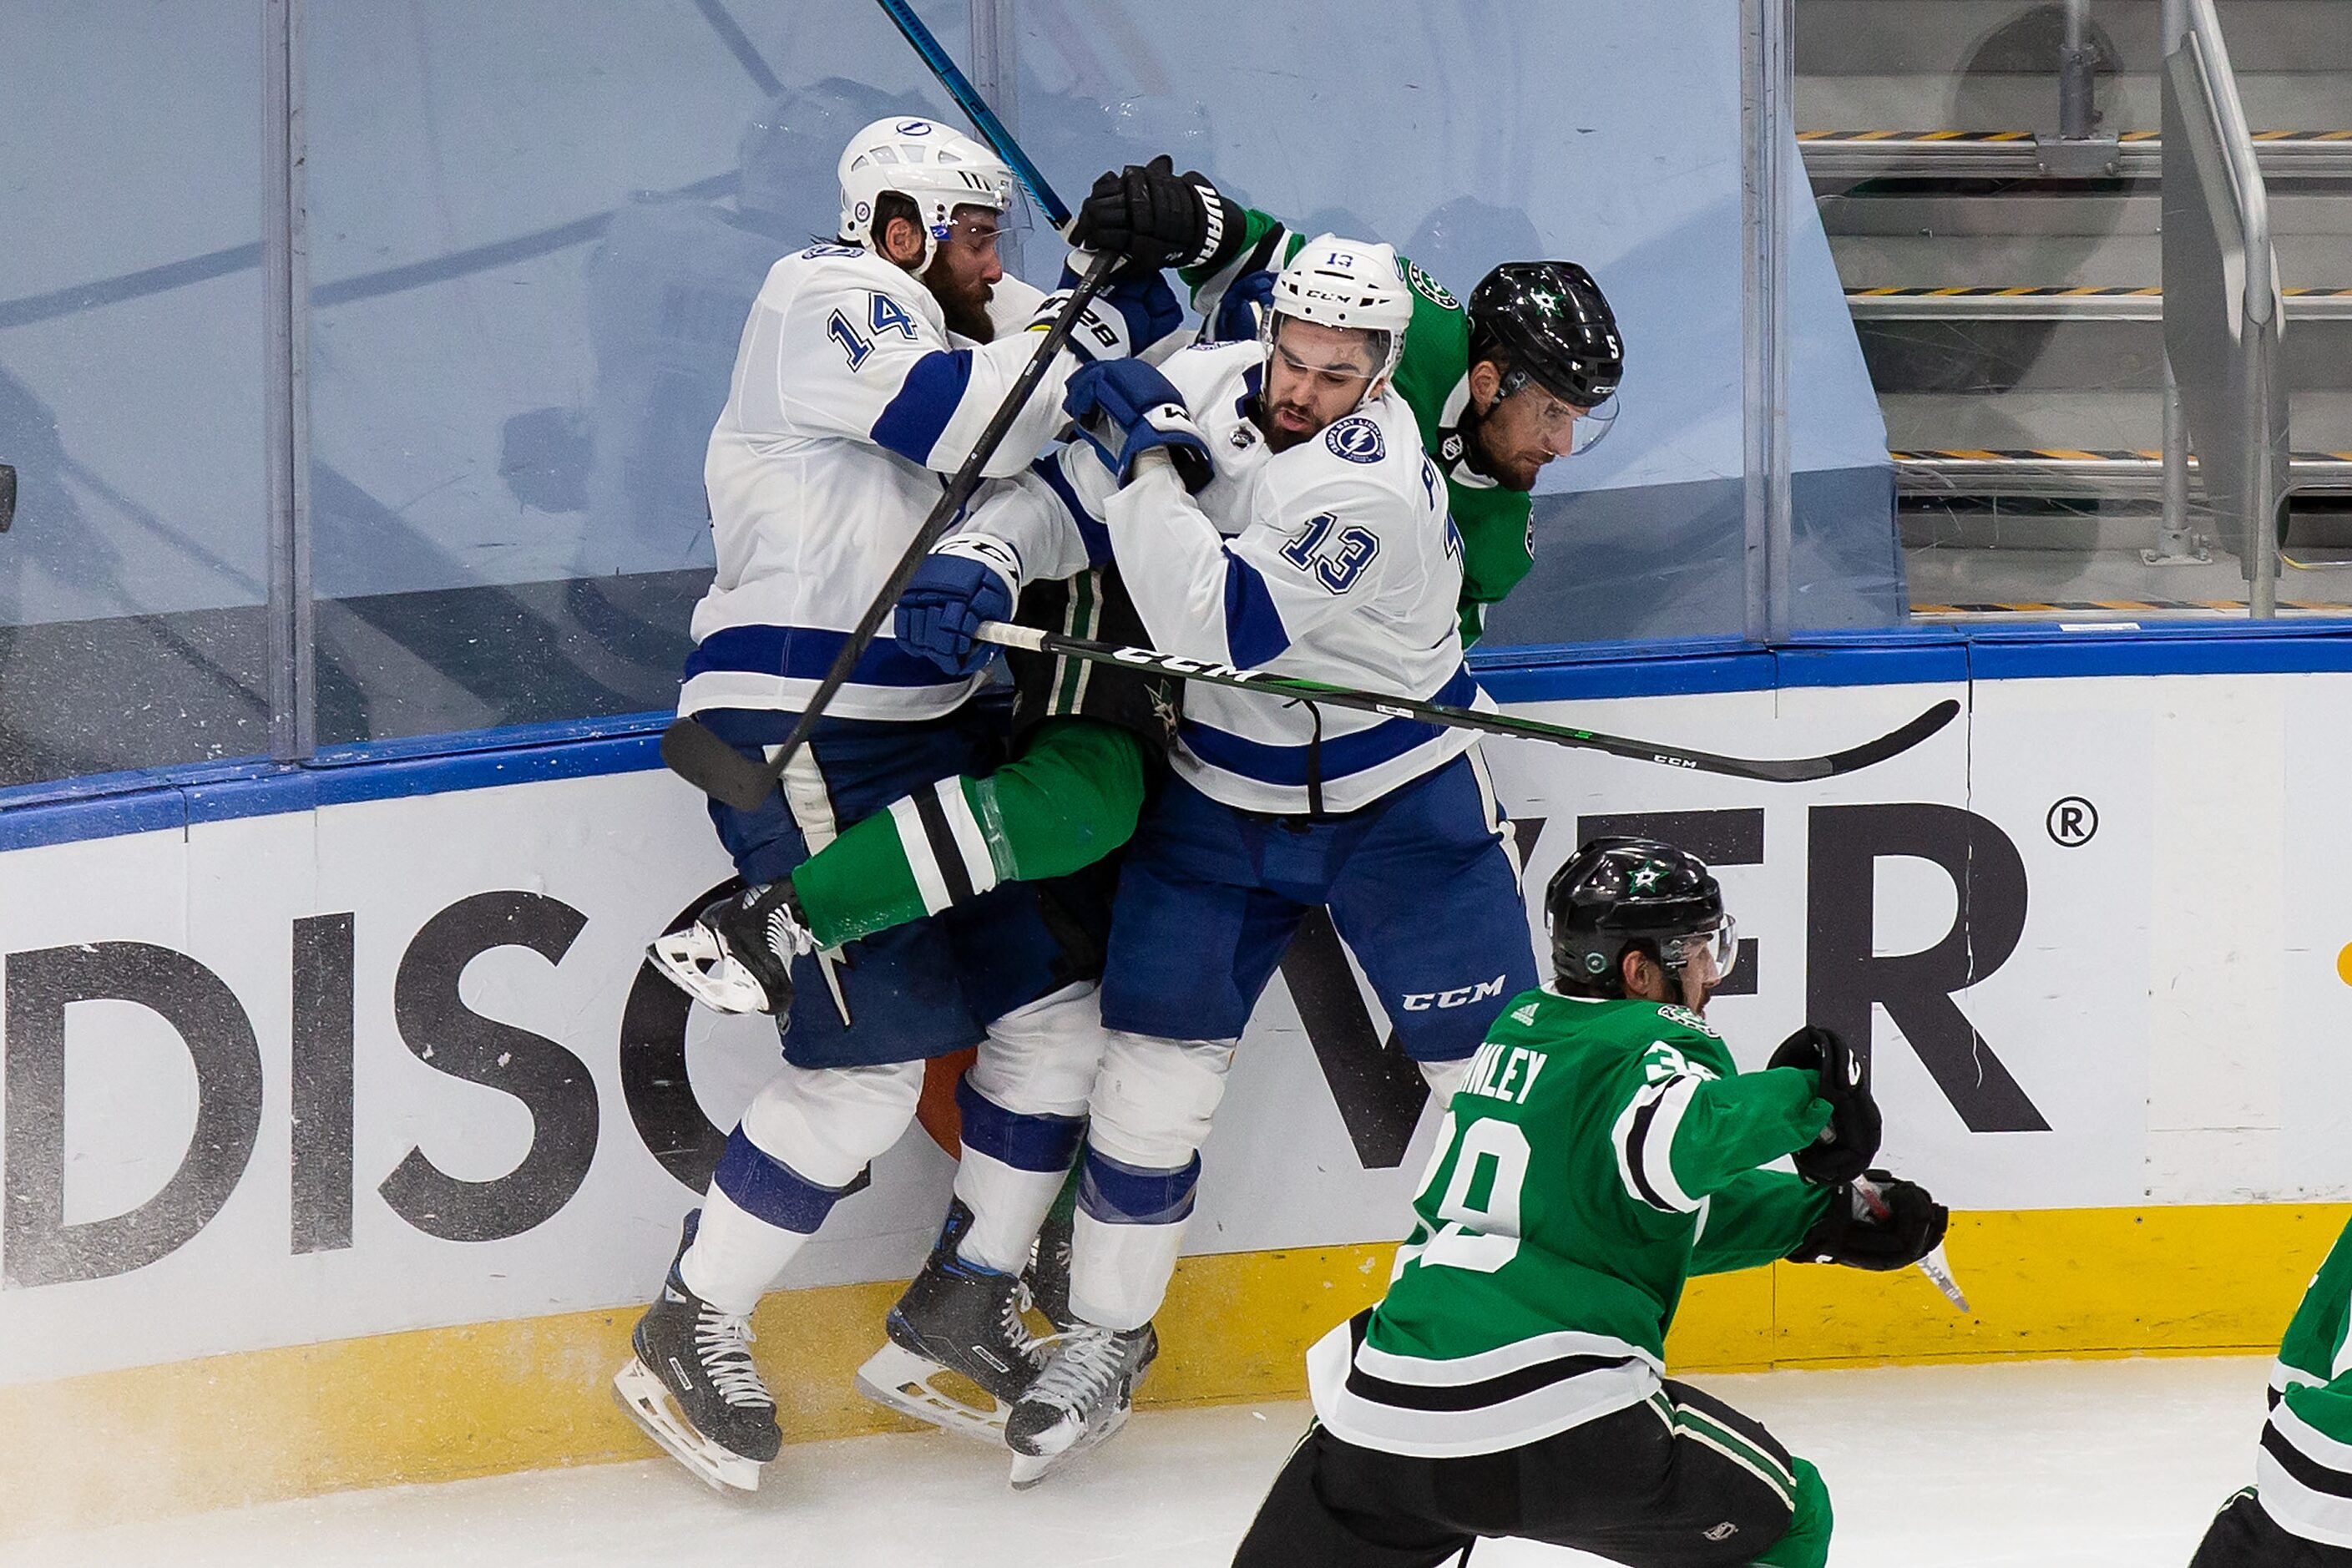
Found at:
[996, 73]
[293, 687]
[1767, 138]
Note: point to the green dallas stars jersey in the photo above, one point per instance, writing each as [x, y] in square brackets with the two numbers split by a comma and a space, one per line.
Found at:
[1497, 535]
[2303, 1473]
[1597, 1155]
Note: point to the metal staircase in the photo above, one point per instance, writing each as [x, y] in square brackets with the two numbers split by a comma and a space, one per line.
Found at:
[1996, 222]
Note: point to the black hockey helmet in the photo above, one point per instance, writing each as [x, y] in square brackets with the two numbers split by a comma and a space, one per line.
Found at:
[1554, 325]
[1613, 892]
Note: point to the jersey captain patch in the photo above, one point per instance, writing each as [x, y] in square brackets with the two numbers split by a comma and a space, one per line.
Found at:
[1355, 438]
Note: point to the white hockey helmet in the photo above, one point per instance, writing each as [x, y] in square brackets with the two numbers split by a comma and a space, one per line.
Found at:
[1340, 283]
[938, 169]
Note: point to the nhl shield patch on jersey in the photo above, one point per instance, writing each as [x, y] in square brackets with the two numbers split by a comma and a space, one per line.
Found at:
[1355, 438]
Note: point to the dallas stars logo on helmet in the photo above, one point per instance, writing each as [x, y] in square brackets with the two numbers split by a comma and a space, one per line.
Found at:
[1646, 879]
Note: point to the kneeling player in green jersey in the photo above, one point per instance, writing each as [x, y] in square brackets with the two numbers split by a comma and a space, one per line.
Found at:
[1603, 1147]
[2298, 1512]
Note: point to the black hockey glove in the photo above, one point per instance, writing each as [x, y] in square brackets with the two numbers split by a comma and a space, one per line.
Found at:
[1879, 1222]
[1156, 217]
[1845, 1149]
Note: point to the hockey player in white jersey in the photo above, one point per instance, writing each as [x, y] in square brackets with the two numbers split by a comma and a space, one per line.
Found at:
[865, 373]
[1268, 505]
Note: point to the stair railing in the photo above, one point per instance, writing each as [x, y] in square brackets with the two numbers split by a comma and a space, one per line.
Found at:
[2222, 311]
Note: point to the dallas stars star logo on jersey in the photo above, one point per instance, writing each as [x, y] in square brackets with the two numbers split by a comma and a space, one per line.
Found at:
[1163, 707]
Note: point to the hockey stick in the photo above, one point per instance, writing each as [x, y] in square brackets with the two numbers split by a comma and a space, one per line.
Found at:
[983, 119]
[1790, 769]
[697, 755]
[1934, 1265]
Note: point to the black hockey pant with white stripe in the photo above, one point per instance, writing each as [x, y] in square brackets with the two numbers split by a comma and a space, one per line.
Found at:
[1681, 1480]
[2245, 1536]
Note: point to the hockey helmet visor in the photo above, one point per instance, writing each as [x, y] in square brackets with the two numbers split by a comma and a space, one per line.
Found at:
[1550, 321]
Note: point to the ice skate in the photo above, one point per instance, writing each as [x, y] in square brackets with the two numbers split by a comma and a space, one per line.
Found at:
[737, 955]
[693, 1388]
[1085, 1394]
[1045, 1283]
[959, 1354]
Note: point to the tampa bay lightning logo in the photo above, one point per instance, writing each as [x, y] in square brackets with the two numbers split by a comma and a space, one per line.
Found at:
[1358, 439]
[914, 128]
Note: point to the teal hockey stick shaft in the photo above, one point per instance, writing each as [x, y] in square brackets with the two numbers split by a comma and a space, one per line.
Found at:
[967, 97]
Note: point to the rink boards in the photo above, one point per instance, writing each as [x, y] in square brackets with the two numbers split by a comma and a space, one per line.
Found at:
[343, 1135]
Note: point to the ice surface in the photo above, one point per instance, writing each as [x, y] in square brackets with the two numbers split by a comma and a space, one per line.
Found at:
[2113, 1464]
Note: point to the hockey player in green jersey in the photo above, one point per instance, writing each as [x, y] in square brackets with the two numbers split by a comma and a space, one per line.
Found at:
[2298, 1513]
[1603, 1147]
[1527, 373]
[1514, 379]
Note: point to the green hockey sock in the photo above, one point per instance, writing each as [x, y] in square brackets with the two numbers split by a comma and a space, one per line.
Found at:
[1807, 1545]
[1072, 798]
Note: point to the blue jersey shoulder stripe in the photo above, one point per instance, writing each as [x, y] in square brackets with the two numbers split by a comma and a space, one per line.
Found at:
[1253, 628]
[1343, 754]
[1095, 536]
[806, 653]
[927, 400]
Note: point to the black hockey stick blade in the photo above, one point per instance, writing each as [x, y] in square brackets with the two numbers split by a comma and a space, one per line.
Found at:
[692, 750]
[1788, 770]
[698, 756]
[1894, 742]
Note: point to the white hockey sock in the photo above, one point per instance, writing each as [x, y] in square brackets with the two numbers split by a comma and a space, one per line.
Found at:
[1119, 1273]
[1008, 1205]
[736, 1256]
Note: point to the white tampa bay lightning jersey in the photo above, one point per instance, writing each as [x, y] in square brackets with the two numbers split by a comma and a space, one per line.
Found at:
[848, 405]
[1335, 561]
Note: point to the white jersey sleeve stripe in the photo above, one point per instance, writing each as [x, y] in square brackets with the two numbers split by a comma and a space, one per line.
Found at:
[930, 880]
[1645, 1134]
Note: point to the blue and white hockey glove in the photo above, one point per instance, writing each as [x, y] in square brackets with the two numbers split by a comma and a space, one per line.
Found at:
[1238, 313]
[961, 582]
[1126, 408]
[1124, 320]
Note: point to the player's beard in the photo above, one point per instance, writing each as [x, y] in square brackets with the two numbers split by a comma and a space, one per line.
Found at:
[1511, 476]
[965, 306]
[1279, 440]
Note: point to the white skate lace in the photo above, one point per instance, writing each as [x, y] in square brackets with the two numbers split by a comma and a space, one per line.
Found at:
[720, 1342]
[1015, 1328]
[1086, 1363]
[787, 938]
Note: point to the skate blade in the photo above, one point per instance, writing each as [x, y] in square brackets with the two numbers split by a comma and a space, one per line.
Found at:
[648, 1402]
[1029, 1470]
[919, 1386]
[692, 959]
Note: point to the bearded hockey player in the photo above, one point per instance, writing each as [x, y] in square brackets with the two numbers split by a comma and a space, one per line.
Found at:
[1088, 741]
[1602, 1147]
[865, 371]
[2298, 1513]
[1297, 525]
[1528, 374]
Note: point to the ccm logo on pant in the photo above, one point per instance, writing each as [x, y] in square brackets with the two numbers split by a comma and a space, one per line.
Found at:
[1460, 996]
